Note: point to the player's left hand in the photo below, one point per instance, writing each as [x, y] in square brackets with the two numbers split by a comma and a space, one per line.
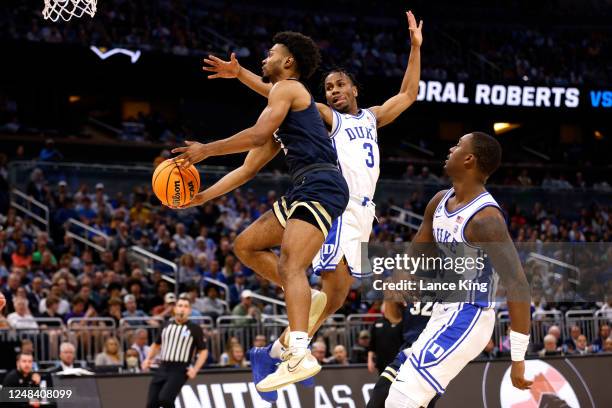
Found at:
[193, 153]
[198, 200]
[191, 373]
[517, 375]
[416, 35]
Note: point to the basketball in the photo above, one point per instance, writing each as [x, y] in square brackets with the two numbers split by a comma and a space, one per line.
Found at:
[175, 186]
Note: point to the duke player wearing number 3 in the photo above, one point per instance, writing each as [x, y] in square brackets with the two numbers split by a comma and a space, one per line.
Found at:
[467, 222]
[353, 132]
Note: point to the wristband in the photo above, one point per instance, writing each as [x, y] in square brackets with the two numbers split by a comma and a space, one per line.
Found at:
[518, 345]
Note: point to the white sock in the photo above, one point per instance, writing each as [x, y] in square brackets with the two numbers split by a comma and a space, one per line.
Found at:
[277, 349]
[298, 341]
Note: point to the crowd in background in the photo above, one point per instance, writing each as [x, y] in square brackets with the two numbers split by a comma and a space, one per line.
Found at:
[367, 39]
[53, 275]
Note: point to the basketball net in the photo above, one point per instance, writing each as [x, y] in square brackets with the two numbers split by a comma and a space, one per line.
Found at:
[66, 9]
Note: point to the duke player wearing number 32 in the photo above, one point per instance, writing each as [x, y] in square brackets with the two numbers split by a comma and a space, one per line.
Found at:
[466, 215]
[353, 132]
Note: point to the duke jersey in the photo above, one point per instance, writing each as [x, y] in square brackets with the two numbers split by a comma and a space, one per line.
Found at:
[356, 142]
[449, 233]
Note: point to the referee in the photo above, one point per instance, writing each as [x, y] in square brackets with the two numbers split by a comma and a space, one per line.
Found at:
[177, 342]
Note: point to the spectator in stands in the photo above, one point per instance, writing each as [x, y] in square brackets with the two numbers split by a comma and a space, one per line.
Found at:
[49, 152]
[259, 341]
[131, 309]
[187, 269]
[80, 309]
[604, 333]
[239, 285]
[63, 307]
[359, 351]
[555, 331]
[236, 357]
[319, 351]
[489, 352]
[12, 284]
[183, 241]
[37, 187]
[608, 345]
[114, 310]
[111, 355]
[67, 358]
[132, 361]
[211, 305]
[245, 309]
[581, 345]
[225, 356]
[21, 318]
[22, 257]
[570, 344]
[339, 356]
[140, 344]
[167, 311]
[550, 346]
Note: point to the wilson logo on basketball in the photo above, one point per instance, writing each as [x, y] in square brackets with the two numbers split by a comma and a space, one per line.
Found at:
[176, 198]
[191, 188]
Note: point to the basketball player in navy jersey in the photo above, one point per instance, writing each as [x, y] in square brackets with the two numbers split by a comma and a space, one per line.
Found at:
[468, 217]
[353, 131]
[300, 220]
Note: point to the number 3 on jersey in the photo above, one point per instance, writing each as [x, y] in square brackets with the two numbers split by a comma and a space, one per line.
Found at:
[370, 158]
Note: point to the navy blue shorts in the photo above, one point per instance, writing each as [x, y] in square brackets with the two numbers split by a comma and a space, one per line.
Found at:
[318, 197]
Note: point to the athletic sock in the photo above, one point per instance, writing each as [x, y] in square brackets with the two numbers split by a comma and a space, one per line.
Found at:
[298, 342]
[277, 349]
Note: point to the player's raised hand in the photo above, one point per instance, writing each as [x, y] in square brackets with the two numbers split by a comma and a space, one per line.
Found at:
[517, 375]
[193, 153]
[416, 34]
[221, 68]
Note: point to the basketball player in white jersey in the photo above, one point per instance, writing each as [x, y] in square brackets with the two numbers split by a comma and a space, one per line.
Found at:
[353, 132]
[467, 222]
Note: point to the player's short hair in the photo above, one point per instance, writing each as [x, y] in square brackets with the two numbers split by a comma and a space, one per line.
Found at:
[488, 152]
[340, 70]
[303, 49]
[184, 297]
[19, 355]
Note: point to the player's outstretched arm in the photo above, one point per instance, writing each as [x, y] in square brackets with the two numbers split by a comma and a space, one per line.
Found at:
[488, 230]
[255, 160]
[394, 106]
[233, 69]
[279, 102]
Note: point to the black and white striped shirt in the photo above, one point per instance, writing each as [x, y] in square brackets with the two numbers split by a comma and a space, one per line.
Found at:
[179, 341]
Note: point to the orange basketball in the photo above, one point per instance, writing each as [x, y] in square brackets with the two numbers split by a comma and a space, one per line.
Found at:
[174, 186]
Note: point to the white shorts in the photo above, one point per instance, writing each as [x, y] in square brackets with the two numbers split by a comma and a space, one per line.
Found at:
[455, 335]
[345, 237]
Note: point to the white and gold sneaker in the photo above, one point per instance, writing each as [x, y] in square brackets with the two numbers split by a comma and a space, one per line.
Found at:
[318, 301]
[294, 368]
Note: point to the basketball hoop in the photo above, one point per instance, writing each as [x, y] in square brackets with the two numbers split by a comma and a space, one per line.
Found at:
[66, 9]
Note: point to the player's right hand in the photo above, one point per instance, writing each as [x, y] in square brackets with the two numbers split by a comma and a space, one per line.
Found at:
[517, 375]
[221, 68]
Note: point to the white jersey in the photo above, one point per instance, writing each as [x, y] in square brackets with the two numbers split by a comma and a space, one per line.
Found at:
[356, 142]
[449, 233]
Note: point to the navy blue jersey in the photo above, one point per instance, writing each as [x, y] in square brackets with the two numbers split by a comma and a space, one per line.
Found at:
[416, 316]
[305, 139]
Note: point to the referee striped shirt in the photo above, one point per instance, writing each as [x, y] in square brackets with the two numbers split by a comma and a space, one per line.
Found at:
[180, 341]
